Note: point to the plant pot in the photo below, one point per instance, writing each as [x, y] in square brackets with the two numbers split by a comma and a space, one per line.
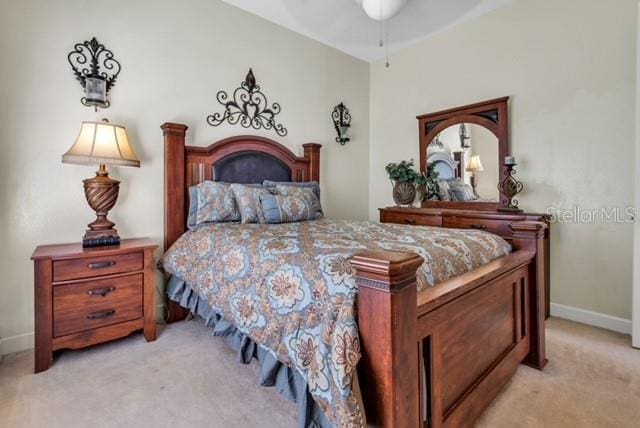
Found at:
[404, 193]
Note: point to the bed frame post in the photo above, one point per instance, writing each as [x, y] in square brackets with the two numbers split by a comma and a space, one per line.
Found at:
[312, 153]
[387, 322]
[530, 235]
[174, 196]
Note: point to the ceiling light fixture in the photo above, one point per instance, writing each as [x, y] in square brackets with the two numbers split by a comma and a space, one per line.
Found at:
[382, 11]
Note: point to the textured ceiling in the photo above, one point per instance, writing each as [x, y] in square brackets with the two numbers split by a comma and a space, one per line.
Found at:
[343, 25]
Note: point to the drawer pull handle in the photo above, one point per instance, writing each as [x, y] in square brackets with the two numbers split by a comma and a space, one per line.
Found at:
[101, 265]
[479, 226]
[409, 221]
[101, 315]
[101, 291]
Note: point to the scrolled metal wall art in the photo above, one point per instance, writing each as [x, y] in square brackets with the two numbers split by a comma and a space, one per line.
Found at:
[96, 69]
[341, 122]
[248, 107]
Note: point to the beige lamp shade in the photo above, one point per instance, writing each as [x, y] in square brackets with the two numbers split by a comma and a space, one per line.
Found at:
[102, 143]
[474, 164]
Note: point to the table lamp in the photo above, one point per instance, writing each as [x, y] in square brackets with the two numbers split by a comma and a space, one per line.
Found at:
[101, 143]
[474, 166]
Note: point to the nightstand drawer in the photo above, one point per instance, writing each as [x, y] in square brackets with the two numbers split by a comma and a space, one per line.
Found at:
[87, 267]
[498, 227]
[98, 303]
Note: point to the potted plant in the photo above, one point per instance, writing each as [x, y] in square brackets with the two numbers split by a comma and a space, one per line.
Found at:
[432, 188]
[427, 186]
[403, 177]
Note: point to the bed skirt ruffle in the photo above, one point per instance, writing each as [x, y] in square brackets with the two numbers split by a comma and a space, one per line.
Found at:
[287, 381]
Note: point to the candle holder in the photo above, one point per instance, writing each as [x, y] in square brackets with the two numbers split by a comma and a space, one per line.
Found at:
[509, 187]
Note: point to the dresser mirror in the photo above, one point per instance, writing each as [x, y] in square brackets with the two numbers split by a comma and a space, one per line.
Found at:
[466, 146]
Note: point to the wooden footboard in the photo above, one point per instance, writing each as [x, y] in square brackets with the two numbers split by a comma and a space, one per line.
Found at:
[443, 360]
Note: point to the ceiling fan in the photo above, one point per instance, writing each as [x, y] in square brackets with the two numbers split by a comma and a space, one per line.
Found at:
[382, 10]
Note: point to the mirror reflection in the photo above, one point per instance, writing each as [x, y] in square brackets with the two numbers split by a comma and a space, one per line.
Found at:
[466, 159]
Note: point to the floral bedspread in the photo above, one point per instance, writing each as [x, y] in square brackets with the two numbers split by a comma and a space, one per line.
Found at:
[290, 287]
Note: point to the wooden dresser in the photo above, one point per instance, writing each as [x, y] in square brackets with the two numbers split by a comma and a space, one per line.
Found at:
[491, 221]
[85, 296]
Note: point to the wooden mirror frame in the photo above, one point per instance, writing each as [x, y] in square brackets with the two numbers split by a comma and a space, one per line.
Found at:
[493, 115]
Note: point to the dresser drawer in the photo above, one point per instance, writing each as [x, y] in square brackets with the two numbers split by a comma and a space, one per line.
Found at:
[498, 227]
[87, 267]
[413, 219]
[97, 303]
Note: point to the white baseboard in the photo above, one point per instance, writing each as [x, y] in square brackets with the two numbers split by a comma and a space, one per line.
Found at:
[595, 319]
[21, 342]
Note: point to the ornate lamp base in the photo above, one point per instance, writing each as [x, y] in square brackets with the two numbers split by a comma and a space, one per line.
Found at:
[474, 184]
[101, 192]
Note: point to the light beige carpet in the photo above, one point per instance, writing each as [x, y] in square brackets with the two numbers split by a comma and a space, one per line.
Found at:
[188, 378]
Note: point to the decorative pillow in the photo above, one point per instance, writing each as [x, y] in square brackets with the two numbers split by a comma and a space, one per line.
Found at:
[461, 191]
[445, 190]
[286, 209]
[313, 185]
[302, 192]
[248, 201]
[211, 202]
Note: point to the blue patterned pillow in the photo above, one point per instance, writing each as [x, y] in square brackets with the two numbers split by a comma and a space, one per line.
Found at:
[313, 185]
[286, 209]
[248, 201]
[211, 202]
[445, 190]
[461, 191]
[302, 192]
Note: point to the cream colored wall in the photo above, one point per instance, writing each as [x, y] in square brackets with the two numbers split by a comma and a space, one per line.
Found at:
[569, 67]
[175, 56]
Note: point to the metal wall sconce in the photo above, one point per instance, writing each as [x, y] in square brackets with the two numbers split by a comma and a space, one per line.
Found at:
[96, 69]
[341, 122]
[464, 137]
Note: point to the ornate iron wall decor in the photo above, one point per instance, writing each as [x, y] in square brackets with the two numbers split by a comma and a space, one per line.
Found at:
[341, 122]
[249, 107]
[509, 187]
[96, 69]
[437, 142]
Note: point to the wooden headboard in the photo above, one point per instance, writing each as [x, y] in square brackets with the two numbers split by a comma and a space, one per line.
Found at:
[446, 166]
[241, 159]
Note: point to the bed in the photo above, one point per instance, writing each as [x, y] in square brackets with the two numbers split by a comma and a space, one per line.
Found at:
[437, 356]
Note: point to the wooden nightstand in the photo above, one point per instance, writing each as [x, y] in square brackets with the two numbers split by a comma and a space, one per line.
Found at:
[85, 296]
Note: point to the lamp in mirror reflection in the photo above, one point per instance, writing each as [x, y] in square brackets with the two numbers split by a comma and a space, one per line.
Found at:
[475, 166]
[96, 69]
[341, 122]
